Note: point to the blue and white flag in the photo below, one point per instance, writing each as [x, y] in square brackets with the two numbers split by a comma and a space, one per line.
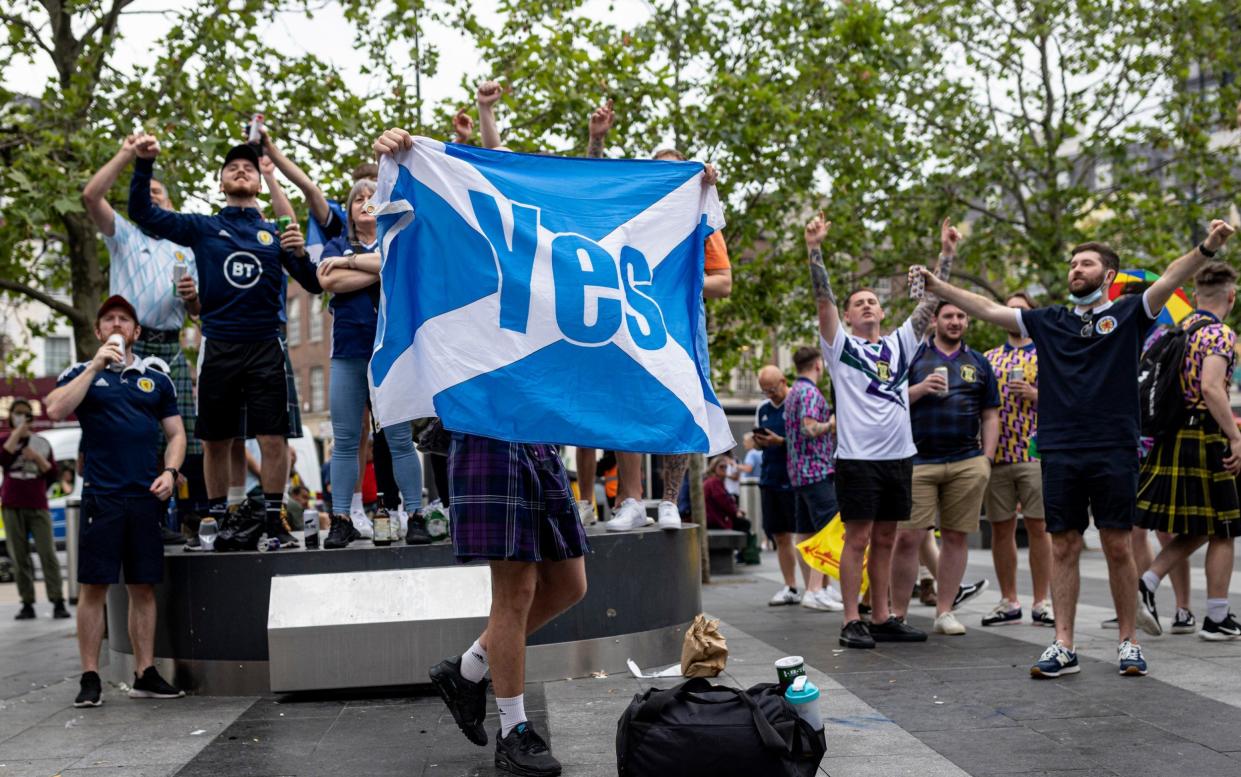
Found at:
[315, 239]
[546, 299]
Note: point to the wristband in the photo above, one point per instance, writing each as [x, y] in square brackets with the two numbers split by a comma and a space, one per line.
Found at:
[1208, 253]
[176, 473]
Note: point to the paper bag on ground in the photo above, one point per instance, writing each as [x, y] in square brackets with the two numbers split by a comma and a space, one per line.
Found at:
[704, 652]
[823, 551]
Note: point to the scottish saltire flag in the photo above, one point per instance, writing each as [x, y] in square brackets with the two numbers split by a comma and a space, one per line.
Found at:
[545, 299]
[315, 239]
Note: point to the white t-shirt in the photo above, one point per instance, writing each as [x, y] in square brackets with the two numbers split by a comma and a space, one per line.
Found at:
[871, 381]
[730, 485]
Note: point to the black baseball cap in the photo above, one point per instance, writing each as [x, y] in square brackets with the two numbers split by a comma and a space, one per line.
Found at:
[244, 151]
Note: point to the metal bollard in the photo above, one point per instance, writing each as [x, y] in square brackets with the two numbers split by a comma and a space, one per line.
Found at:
[73, 514]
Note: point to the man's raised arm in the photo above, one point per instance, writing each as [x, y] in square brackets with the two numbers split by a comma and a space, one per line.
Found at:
[949, 238]
[600, 122]
[824, 297]
[95, 194]
[974, 305]
[1184, 268]
[181, 228]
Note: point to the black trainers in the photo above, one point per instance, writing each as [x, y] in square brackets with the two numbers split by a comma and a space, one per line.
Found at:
[275, 528]
[341, 533]
[242, 529]
[895, 630]
[171, 537]
[1184, 622]
[466, 701]
[856, 635]
[26, 613]
[151, 686]
[1227, 629]
[969, 591]
[91, 693]
[1148, 614]
[416, 530]
[524, 752]
[59, 610]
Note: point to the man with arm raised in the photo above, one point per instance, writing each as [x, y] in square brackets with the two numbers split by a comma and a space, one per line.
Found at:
[875, 447]
[1088, 423]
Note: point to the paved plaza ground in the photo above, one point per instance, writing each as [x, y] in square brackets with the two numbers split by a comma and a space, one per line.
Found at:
[952, 706]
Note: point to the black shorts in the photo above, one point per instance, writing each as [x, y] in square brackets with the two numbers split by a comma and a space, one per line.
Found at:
[816, 505]
[242, 390]
[121, 532]
[1085, 482]
[779, 510]
[875, 490]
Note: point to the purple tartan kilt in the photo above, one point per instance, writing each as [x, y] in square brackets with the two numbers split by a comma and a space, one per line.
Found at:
[511, 501]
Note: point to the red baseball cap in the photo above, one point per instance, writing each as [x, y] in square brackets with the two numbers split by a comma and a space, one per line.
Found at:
[116, 301]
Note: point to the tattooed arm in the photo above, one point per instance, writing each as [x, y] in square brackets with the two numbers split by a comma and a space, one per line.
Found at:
[600, 122]
[949, 237]
[824, 296]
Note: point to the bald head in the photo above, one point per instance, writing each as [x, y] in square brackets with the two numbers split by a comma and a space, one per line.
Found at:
[772, 383]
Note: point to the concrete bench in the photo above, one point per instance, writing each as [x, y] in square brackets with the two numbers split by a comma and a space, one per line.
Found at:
[722, 547]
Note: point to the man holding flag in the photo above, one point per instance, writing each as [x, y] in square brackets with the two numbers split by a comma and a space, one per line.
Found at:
[582, 290]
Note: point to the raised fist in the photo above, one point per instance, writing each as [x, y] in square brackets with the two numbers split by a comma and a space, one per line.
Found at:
[463, 126]
[601, 120]
[146, 146]
[489, 92]
[1218, 234]
[949, 237]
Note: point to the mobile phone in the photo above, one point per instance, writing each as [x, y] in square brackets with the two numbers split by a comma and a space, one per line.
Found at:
[759, 430]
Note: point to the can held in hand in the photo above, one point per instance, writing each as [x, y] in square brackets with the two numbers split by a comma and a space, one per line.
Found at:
[943, 373]
[789, 669]
[917, 283]
[1016, 373]
[282, 223]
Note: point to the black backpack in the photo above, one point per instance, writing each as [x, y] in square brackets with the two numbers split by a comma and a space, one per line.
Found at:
[702, 730]
[1159, 381]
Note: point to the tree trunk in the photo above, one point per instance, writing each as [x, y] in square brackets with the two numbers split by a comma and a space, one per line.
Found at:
[698, 511]
[89, 284]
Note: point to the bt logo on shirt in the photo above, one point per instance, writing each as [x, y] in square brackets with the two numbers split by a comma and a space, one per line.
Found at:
[242, 269]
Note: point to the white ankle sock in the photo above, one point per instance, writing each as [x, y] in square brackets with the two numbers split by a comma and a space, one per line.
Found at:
[474, 663]
[1151, 579]
[355, 505]
[512, 712]
[236, 495]
[1217, 609]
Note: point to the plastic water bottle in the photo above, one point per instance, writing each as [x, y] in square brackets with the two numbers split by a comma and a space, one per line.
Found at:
[804, 696]
[310, 534]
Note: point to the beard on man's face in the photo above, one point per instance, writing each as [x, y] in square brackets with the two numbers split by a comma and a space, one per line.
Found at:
[243, 188]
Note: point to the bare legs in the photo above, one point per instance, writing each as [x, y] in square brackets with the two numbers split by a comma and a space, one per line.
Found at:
[91, 600]
[880, 536]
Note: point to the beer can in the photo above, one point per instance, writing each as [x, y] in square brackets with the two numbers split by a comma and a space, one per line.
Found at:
[917, 283]
[1016, 373]
[282, 223]
[942, 372]
[178, 272]
[789, 669]
[119, 341]
[256, 122]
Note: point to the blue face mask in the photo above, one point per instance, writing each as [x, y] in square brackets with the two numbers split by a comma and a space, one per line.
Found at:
[1089, 299]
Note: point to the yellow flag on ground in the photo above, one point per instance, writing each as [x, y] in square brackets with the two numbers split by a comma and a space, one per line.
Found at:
[824, 550]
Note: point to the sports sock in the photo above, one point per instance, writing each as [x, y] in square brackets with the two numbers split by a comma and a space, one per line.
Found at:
[474, 662]
[236, 495]
[217, 508]
[272, 504]
[355, 505]
[1151, 579]
[1217, 609]
[512, 712]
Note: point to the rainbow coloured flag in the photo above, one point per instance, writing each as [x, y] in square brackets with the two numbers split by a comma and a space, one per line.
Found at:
[1177, 308]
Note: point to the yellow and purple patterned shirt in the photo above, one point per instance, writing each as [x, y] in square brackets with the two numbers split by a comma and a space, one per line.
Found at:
[1216, 339]
[1018, 417]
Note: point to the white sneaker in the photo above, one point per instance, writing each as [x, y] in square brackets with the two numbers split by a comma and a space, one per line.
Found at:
[832, 594]
[586, 512]
[362, 522]
[784, 596]
[814, 600]
[669, 516]
[631, 515]
[402, 523]
[830, 603]
[948, 624]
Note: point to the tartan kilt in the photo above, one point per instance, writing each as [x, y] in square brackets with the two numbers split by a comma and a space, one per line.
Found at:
[179, 371]
[511, 501]
[1184, 488]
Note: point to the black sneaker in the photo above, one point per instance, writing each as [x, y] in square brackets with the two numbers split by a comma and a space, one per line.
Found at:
[242, 529]
[151, 686]
[341, 533]
[275, 528]
[91, 694]
[193, 544]
[896, 630]
[863, 611]
[416, 530]
[59, 610]
[1227, 629]
[26, 613]
[1184, 622]
[466, 701]
[1148, 614]
[524, 752]
[171, 537]
[856, 635]
[969, 591]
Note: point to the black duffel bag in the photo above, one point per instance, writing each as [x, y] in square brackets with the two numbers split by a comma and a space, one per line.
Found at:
[702, 730]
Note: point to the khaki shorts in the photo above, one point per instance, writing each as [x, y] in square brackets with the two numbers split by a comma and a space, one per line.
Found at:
[1013, 485]
[953, 490]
